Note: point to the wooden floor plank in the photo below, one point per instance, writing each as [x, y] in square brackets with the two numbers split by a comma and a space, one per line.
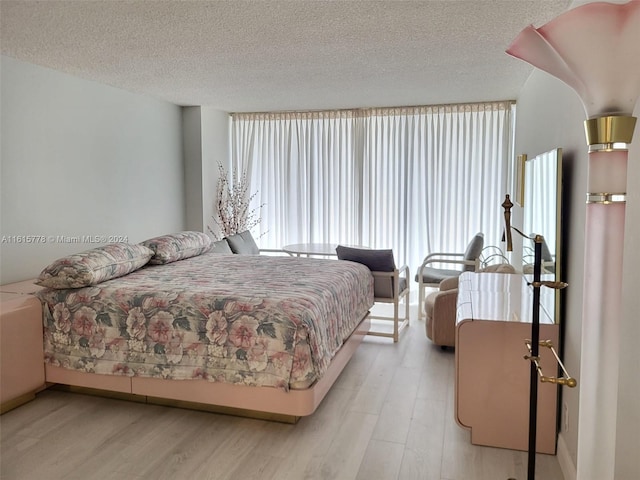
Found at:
[381, 461]
[343, 459]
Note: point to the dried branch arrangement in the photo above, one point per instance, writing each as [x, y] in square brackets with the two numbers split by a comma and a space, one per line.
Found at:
[232, 213]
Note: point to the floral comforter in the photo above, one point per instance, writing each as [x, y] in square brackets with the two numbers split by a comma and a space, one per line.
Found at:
[253, 320]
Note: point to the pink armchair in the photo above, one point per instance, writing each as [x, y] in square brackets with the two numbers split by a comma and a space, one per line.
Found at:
[440, 311]
[440, 308]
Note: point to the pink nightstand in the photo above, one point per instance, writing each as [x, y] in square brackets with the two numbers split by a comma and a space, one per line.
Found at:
[21, 350]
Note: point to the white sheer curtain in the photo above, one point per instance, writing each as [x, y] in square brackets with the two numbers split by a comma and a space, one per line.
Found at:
[417, 180]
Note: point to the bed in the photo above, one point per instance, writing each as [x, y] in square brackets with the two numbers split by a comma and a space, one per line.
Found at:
[266, 335]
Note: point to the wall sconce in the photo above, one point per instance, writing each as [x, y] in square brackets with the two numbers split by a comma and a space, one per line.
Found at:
[595, 49]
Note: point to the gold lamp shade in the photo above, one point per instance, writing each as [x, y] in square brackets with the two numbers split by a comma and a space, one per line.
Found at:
[609, 130]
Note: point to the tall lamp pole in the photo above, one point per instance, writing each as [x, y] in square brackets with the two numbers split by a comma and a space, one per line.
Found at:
[533, 345]
[595, 49]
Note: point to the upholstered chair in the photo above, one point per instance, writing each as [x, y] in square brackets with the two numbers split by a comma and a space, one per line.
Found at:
[440, 308]
[390, 284]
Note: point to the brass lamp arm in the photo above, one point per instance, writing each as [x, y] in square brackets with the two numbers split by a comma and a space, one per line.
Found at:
[566, 379]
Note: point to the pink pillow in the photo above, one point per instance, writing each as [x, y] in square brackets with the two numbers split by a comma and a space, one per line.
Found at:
[177, 246]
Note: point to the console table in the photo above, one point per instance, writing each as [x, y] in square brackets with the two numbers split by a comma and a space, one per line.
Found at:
[492, 377]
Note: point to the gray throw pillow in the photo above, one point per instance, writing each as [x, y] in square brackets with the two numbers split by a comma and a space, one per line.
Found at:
[243, 243]
[221, 246]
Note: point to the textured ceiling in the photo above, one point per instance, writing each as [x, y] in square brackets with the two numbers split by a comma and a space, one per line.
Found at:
[282, 55]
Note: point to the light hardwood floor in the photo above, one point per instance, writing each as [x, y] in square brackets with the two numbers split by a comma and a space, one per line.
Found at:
[389, 416]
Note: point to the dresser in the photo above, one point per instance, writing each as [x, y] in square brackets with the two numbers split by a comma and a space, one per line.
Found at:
[494, 315]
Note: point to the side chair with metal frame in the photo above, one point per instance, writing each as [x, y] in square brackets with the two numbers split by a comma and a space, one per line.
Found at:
[429, 276]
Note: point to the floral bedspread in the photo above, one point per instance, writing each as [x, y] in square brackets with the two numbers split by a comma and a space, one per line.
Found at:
[253, 320]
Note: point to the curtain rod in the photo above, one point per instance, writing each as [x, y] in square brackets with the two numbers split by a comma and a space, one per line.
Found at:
[369, 109]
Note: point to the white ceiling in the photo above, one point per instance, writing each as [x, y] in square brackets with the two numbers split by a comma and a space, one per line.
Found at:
[273, 55]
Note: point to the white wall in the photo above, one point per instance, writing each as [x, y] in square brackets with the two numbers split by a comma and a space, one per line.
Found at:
[81, 158]
[551, 115]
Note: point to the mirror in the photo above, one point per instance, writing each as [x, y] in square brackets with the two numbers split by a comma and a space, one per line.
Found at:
[542, 216]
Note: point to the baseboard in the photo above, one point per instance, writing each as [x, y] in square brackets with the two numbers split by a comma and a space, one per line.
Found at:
[564, 459]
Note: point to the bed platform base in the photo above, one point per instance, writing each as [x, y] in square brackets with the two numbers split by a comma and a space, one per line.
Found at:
[265, 403]
[167, 402]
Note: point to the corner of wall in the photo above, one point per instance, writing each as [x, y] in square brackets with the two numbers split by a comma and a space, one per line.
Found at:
[192, 154]
[564, 459]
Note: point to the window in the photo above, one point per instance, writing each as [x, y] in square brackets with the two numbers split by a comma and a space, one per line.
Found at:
[415, 179]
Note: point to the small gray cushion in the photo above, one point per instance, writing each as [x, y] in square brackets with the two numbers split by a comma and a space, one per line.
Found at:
[474, 249]
[243, 243]
[375, 260]
[221, 246]
[436, 275]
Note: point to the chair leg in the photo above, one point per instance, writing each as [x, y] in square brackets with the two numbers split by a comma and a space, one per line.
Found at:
[395, 321]
[406, 306]
[420, 298]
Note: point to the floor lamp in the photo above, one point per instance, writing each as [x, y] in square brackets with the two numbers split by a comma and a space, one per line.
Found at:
[595, 49]
[534, 343]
